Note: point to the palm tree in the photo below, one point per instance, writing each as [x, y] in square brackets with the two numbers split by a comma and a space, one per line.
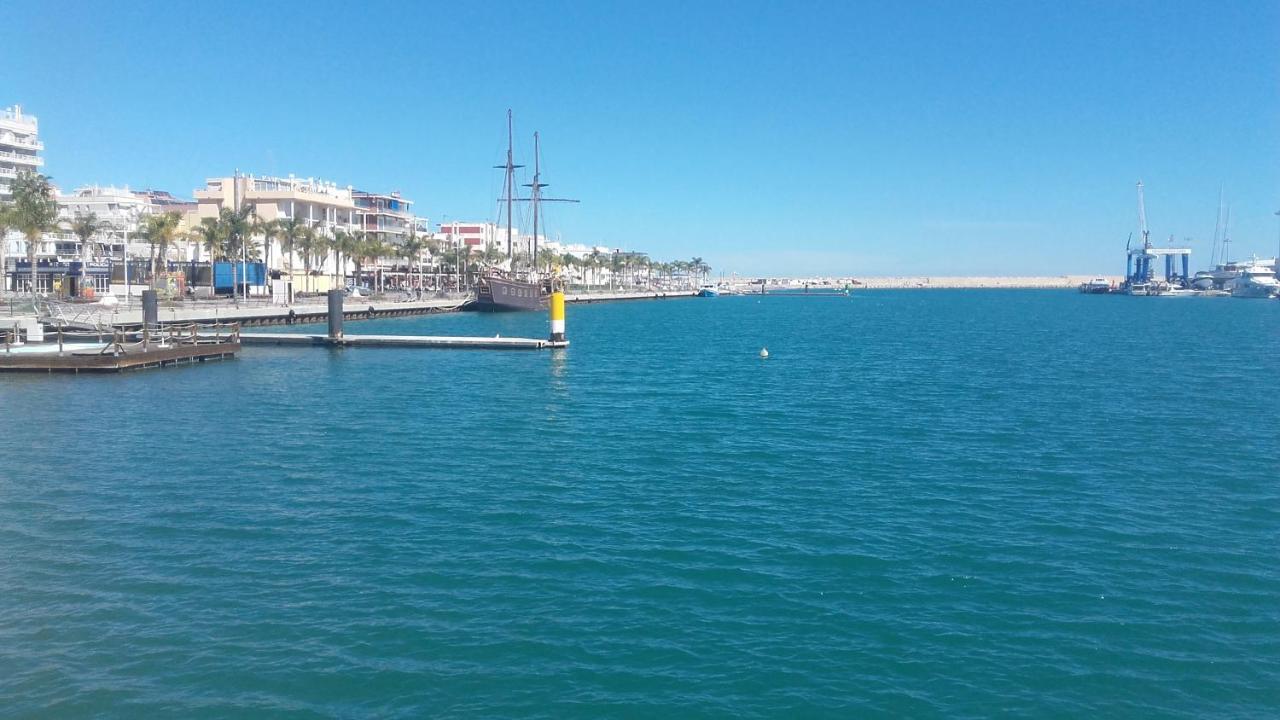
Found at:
[290, 231]
[7, 221]
[355, 251]
[34, 213]
[546, 258]
[84, 226]
[699, 269]
[270, 231]
[680, 267]
[160, 230]
[493, 256]
[338, 244]
[309, 243]
[413, 247]
[373, 249]
[212, 235]
[238, 227]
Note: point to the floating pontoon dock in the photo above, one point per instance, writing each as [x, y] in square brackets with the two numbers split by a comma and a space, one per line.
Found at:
[337, 338]
[418, 341]
[122, 350]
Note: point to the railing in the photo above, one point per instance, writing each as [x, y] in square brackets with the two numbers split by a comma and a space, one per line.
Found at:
[123, 342]
[20, 157]
[167, 336]
[11, 139]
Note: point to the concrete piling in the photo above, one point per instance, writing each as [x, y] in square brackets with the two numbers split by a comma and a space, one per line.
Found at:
[335, 314]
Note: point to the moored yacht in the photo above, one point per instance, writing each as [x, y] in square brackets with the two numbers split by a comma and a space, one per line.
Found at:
[1255, 281]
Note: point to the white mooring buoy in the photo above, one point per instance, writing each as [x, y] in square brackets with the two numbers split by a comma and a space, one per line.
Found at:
[764, 352]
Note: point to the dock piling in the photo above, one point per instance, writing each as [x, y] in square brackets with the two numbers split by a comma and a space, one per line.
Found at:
[150, 308]
[335, 314]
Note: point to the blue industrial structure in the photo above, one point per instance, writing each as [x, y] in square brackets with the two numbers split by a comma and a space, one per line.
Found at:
[1140, 265]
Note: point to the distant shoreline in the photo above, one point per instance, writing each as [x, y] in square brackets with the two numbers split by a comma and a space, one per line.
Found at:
[942, 283]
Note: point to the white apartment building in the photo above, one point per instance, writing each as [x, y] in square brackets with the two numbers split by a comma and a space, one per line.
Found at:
[476, 237]
[386, 216]
[20, 147]
[119, 212]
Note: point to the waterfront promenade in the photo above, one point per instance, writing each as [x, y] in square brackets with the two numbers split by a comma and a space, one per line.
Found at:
[954, 282]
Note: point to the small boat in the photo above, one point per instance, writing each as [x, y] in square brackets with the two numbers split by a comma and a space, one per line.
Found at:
[708, 291]
[1096, 286]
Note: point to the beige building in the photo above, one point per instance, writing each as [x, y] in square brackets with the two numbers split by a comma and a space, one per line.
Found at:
[322, 206]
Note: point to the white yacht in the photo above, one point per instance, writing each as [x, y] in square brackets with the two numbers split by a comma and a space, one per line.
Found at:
[1255, 281]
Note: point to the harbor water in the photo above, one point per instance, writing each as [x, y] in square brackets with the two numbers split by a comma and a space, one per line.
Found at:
[922, 504]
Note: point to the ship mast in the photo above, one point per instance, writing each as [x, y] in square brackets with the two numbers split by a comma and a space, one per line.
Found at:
[535, 194]
[509, 180]
[535, 198]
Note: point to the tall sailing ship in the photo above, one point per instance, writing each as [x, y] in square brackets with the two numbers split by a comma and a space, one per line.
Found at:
[512, 292]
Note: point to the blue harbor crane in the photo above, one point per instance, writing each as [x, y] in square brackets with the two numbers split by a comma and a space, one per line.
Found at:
[1140, 266]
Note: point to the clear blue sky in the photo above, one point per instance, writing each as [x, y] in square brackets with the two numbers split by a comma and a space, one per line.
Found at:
[866, 138]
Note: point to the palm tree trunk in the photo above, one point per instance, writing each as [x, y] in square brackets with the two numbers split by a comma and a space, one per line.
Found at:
[31, 258]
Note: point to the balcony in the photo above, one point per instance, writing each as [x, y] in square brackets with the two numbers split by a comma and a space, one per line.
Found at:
[21, 142]
[8, 173]
[34, 160]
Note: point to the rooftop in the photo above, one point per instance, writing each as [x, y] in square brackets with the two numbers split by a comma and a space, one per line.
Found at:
[15, 115]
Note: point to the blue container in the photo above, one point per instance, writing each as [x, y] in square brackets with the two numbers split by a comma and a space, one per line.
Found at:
[228, 276]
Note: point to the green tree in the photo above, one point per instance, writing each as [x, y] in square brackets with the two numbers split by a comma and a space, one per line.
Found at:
[372, 249]
[269, 231]
[35, 212]
[547, 258]
[160, 229]
[309, 243]
[85, 226]
[339, 245]
[291, 232]
[7, 223]
[412, 247]
[699, 269]
[356, 252]
[238, 229]
[212, 235]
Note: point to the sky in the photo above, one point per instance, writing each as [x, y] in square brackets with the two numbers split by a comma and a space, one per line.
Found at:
[808, 138]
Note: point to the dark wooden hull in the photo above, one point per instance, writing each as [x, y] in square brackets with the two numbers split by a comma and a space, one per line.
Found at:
[502, 295]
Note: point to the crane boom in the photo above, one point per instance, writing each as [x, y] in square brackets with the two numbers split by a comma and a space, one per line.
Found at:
[1142, 218]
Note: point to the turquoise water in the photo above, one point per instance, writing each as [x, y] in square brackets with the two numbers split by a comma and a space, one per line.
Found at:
[923, 504]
